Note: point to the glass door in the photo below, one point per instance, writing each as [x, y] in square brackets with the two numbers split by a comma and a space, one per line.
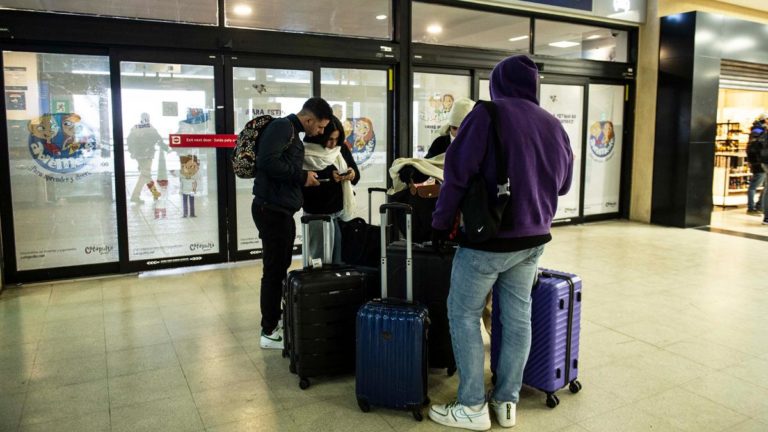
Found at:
[605, 120]
[60, 155]
[359, 99]
[433, 97]
[255, 92]
[171, 193]
[566, 102]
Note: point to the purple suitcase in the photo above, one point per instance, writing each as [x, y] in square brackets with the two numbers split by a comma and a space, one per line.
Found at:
[553, 362]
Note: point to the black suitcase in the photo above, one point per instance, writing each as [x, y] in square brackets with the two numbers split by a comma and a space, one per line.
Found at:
[319, 315]
[431, 284]
[392, 344]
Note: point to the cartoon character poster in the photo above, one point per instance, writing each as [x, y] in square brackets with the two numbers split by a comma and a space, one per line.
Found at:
[602, 138]
[361, 139]
[61, 143]
[604, 141]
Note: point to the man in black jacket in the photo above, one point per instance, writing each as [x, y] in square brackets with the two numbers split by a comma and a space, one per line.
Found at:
[277, 196]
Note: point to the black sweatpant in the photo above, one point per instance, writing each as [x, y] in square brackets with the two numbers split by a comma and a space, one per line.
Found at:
[277, 232]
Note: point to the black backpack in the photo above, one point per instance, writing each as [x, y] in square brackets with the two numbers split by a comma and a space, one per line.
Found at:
[247, 147]
[757, 147]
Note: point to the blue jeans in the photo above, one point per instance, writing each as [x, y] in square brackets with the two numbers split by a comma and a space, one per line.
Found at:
[756, 180]
[473, 276]
[316, 239]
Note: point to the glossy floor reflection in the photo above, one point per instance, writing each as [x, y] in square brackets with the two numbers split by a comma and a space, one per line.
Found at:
[673, 339]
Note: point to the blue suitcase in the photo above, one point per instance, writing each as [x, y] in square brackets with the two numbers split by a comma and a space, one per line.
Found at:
[391, 360]
[553, 362]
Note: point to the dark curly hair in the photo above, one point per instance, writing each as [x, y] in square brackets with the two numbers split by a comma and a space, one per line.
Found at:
[333, 125]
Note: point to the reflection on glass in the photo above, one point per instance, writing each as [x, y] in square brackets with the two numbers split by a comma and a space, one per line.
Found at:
[433, 96]
[485, 90]
[359, 99]
[189, 11]
[171, 192]
[605, 126]
[566, 102]
[371, 19]
[275, 92]
[60, 155]
[576, 41]
[445, 25]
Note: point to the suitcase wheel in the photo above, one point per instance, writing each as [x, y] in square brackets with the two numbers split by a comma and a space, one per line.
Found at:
[363, 404]
[574, 386]
[417, 415]
[552, 400]
[303, 383]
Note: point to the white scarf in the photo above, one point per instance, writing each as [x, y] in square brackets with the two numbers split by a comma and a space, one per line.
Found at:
[317, 158]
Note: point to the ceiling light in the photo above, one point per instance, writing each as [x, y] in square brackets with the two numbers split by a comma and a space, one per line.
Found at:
[593, 37]
[518, 38]
[381, 17]
[563, 44]
[242, 10]
[435, 29]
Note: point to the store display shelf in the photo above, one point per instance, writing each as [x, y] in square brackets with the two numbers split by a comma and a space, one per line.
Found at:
[740, 175]
[734, 154]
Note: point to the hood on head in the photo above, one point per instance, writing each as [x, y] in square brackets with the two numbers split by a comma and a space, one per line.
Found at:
[515, 76]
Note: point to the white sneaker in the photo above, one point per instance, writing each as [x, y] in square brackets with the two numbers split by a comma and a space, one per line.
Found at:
[272, 341]
[457, 415]
[505, 412]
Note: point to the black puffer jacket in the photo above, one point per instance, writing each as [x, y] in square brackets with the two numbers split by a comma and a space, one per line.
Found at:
[279, 174]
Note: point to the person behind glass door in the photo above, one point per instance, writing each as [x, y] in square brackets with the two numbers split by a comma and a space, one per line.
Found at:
[277, 196]
[448, 132]
[141, 143]
[337, 172]
[753, 160]
[539, 164]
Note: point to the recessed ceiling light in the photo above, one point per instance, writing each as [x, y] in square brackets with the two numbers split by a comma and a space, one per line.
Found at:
[563, 44]
[518, 38]
[593, 37]
[435, 29]
[381, 17]
[242, 10]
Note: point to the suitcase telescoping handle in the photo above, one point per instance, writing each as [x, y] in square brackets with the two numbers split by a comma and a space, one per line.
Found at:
[408, 248]
[305, 220]
[370, 195]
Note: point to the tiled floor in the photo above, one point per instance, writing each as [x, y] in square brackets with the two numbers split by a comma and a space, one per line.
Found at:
[673, 339]
[736, 219]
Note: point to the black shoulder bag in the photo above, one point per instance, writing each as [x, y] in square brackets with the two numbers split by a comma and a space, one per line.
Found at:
[481, 213]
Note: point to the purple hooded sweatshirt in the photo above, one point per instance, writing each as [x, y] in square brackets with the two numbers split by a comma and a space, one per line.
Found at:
[539, 157]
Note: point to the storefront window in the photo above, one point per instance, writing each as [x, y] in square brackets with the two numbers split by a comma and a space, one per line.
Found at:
[433, 97]
[188, 11]
[171, 192]
[369, 19]
[605, 131]
[59, 125]
[444, 25]
[576, 41]
[275, 92]
[359, 99]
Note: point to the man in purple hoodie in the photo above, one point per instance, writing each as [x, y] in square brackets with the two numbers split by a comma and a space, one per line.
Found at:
[539, 165]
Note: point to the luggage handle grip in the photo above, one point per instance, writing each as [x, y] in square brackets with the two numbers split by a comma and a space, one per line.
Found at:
[371, 190]
[309, 218]
[396, 206]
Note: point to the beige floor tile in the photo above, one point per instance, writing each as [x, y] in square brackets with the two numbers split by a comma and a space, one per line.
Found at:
[573, 428]
[15, 379]
[750, 370]
[74, 311]
[134, 360]
[10, 410]
[66, 371]
[627, 419]
[68, 402]
[147, 386]
[207, 348]
[72, 295]
[737, 394]
[69, 347]
[116, 321]
[135, 337]
[129, 304]
[707, 353]
[240, 401]
[87, 327]
[274, 421]
[207, 374]
[313, 417]
[176, 414]
[749, 426]
[653, 333]
[16, 355]
[92, 422]
[689, 412]
[197, 328]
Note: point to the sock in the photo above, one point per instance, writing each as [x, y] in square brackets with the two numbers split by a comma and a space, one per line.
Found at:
[477, 408]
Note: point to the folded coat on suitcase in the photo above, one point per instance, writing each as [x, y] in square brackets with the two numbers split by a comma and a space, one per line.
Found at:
[555, 326]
